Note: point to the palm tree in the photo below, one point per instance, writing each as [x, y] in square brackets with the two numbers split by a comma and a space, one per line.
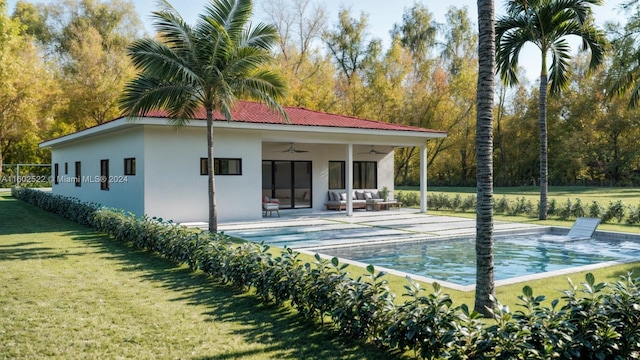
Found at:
[625, 67]
[546, 24]
[484, 154]
[208, 66]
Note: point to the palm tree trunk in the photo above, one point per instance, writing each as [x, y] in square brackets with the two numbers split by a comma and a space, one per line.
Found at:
[213, 212]
[485, 287]
[544, 166]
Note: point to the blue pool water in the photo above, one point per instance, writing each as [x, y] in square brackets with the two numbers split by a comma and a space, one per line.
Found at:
[454, 260]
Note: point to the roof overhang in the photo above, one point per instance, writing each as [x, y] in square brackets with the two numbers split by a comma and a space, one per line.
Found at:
[273, 132]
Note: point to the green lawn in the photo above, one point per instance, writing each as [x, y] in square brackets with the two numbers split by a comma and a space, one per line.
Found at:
[67, 292]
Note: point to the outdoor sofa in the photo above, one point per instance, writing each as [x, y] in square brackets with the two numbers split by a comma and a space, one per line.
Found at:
[337, 199]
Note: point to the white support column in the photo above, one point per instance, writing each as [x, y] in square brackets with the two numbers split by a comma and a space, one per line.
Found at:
[348, 178]
[423, 178]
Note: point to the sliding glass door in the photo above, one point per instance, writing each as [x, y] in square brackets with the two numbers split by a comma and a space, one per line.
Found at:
[288, 181]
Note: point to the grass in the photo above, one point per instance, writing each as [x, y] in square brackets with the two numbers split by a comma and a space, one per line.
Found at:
[67, 292]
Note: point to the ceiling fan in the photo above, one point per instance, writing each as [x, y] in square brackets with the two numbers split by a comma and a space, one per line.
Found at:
[373, 152]
[293, 150]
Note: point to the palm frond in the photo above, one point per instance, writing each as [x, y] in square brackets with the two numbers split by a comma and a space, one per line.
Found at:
[262, 36]
[560, 74]
[208, 65]
[232, 15]
[546, 23]
[155, 59]
[635, 97]
[172, 29]
[143, 95]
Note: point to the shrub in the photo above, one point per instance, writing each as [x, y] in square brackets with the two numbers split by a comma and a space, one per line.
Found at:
[589, 335]
[595, 210]
[566, 210]
[408, 199]
[320, 284]
[429, 324]
[363, 308]
[522, 206]
[552, 207]
[456, 203]
[578, 210]
[633, 216]
[469, 203]
[502, 206]
[615, 210]
[439, 201]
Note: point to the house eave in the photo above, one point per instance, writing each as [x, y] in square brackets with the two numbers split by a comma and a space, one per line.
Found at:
[124, 123]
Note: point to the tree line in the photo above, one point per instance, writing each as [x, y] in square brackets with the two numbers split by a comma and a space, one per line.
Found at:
[64, 67]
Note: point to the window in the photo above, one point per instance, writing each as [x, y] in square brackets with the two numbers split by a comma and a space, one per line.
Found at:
[104, 174]
[130, 166]
[56, 173]
[222, 166]
[365, 175]
[78, 174]
[336, 175]
[203, 167]
[66, 168]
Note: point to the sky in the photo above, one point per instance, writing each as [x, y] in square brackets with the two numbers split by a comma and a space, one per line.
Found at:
[383, 14]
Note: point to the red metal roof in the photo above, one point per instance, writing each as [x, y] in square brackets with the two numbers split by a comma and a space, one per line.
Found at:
[258, 113]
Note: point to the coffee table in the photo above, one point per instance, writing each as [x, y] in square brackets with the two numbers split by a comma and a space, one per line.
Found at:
[382, 205]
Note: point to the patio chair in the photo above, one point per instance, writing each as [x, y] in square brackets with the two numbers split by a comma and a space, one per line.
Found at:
[270, 205]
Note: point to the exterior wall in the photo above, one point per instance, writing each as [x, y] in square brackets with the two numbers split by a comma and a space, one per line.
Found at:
[125, 192]
[174, 188]
[168, 183]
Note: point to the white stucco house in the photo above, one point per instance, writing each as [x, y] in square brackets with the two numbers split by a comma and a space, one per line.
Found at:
[156, 169]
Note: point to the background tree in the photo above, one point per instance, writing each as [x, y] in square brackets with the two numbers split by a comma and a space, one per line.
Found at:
[432, 96]
[208, 65]
[485, 287]
[348, 44]
[351, 51]
[86, 43]
[300, 25]
[546, 24]
[459, 57]
[626, 61]
[25, 85]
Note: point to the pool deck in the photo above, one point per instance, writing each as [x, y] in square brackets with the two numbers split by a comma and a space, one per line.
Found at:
[307, 230]
[311, 231]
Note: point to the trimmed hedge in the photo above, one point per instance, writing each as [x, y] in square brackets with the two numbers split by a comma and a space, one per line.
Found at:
[597, 320]
[569, 209]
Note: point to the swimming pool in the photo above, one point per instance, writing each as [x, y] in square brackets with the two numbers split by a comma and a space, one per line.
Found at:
[454, 260]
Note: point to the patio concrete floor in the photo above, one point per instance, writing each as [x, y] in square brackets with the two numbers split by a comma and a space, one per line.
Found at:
[307, 230]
